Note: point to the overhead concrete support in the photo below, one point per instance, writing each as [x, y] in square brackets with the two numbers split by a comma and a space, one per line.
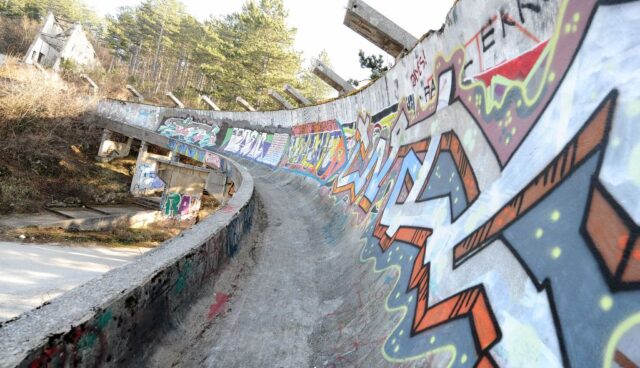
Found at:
[110, 149]
[93, 84]
[175, 100]
[377, 28]
[209, 102]
[184, 185]
[280, 100]
[297, 95]
[244, 104]
[135, 93]
[332, 78]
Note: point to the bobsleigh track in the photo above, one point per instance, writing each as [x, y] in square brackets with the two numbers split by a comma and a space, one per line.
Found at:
[478, 205]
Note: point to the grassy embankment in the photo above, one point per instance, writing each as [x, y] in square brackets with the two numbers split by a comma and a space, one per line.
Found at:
[47, 155]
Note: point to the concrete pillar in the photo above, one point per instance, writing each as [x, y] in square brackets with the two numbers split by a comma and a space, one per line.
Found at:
[297, 95]
[135, 93]
[216, 184]
[145, 179]
[244, 104]
[175, 100]
[182, 196]
[377, 28]
[332, 78]
[209, 102]
[110, 150]
[93, 84]
[280, 100]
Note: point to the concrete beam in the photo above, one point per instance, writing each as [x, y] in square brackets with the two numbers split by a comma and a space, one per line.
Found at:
[332, 78]
[175, 100]
[297, 95]
[145, 178]
[244, 104]
[280, 100]
[184, 185]
[93, 84]
[110, 150]
[378, 29]
[209, 102]
[135, 93]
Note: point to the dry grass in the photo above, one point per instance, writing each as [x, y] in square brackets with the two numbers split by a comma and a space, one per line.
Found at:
[47, 149]
[27, 95]
[118, 237]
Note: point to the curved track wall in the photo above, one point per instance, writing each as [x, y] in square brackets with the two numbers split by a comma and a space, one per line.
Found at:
[495, 170]
[105, 321]
[494, 173]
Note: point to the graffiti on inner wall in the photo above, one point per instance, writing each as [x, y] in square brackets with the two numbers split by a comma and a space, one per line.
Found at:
[502, 204]
[191, 132]
[318, 149]
[187, 150]
[180, 207]
[263, 147]
[148, 180]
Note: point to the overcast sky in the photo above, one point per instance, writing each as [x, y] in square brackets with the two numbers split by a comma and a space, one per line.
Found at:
[319, 24]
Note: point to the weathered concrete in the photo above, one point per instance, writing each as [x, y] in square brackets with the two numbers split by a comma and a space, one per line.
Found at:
[184, 186]
[492, 177]
[332, 78]
[139, 97]
[104, 320]
[297, 95]
[280, 100]
[175, 100]
[85, 219]
[209, 102]
[245, 105]
[145, 179]
[110, 150]
[378, 29]
[33, 274]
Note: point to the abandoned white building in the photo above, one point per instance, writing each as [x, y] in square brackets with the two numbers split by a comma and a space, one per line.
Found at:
[60, 40]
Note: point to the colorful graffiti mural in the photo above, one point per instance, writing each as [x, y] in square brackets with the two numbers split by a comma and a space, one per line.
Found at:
[191, 132]
[179, 207]
[484, 215]
[262, 147]
[148, 180]
[318, 149]
[187, 150]
[501, 194]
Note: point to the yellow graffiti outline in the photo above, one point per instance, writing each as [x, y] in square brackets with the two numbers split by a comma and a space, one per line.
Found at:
[617, 334]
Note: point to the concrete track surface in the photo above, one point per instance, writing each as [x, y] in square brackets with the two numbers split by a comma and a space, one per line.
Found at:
[293, 297]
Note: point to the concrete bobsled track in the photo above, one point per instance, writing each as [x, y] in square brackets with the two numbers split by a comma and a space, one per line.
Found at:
[479, 205]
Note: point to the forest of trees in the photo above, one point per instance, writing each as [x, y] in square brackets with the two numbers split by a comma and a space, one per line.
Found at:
[157, 46]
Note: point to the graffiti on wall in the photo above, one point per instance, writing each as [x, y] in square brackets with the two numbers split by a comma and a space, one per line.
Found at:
[263, 147]
[191, 132]
[187, 150]
[504, 200]
[148, 180]
[318, 149]
[456, 246]
[180, 207]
